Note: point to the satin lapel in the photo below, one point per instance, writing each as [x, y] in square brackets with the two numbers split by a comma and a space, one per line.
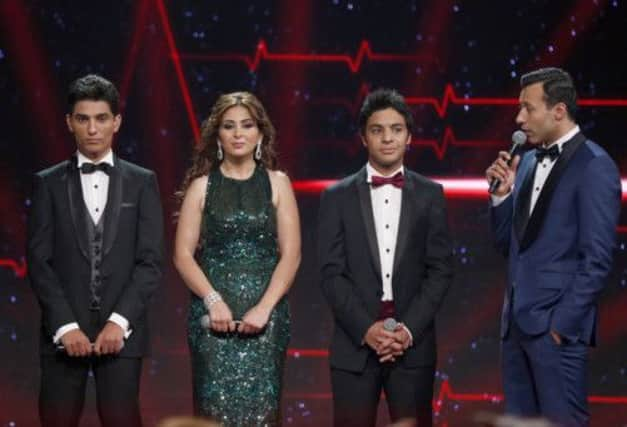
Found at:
[542, 204]
[78, 210]
[404, 222]
[363, 188]
[114, 201]
[523, 198]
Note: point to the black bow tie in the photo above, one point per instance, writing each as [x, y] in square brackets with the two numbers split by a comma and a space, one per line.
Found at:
[92, 167]
[553, 151]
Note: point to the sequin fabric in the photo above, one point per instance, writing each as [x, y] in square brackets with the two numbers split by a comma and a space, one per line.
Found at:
[237, 378]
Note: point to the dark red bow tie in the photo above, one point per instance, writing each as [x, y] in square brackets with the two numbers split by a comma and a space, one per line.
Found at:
[396, 180]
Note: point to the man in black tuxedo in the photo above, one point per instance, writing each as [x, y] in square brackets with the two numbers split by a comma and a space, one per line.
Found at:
[386, 263]
[95, 249]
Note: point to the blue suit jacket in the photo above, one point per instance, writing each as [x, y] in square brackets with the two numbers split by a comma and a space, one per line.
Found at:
[559, 259]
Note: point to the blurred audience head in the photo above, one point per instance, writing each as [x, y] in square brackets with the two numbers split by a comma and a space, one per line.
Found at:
[489, 419]
[187, 422]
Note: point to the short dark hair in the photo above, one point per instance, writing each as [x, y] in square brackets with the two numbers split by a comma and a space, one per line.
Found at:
[558, 86]
[94, 88]
[382, 99]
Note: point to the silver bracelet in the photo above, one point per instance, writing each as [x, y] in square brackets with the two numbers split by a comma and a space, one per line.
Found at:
[211, 298]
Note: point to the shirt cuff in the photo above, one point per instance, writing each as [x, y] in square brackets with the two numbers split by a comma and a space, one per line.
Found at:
[411, 337]
[497, 200]
[63, 330]
[122, 323]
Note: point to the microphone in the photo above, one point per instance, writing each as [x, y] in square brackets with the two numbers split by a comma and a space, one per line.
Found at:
[390, 324]
[205, 321]
[61, 347]
[518, 138]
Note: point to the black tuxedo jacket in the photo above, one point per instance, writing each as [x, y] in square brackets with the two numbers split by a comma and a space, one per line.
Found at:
[58, 251]
[350, 270]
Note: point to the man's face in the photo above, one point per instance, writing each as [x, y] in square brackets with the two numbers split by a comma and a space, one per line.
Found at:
[535, 118]
[386, 138]
[93, 125]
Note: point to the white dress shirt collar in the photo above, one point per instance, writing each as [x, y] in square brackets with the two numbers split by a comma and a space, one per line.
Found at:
[81, 158]
[564, 138]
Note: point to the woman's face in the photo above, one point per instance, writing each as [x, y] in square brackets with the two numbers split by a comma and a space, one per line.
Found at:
[238, 133]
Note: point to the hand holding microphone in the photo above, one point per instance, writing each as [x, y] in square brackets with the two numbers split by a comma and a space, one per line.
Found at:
[220, 318]
[502, 171]
[239, 326]
[205, 322]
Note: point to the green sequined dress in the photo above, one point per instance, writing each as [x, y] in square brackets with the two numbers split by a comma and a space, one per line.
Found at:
[237, 378]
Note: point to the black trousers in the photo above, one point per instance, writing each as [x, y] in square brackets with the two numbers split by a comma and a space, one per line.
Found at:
[408, 391]
[62, 391]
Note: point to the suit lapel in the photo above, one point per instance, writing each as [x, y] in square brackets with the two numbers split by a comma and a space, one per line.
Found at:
[363, 188]
[114, 202]
[78, 210]
[523, 199]
[542, 204]
[402, 236]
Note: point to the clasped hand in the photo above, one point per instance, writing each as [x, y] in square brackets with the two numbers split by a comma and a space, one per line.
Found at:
[387, 344]
[252, 322]
[109, 341]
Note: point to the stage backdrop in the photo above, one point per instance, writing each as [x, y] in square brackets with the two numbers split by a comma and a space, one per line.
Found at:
[311, 62]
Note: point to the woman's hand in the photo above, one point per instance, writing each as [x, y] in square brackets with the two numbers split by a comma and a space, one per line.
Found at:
[221, 317]
[254, 320]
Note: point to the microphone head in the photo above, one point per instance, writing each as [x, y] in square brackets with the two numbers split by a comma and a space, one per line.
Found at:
[519, 137]
[205, 321]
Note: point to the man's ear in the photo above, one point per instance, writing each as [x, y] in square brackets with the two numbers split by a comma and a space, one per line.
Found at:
[68, 121]
[117, 122]
[559, 111]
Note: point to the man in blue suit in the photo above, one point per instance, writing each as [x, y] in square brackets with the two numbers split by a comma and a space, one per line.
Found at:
[554, 215]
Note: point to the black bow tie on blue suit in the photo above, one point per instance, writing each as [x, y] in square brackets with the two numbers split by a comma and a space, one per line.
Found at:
[552, 152]
[92, 167]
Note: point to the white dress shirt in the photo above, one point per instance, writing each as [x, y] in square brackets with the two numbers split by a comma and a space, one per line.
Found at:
[386, 209]
[546, 165]
[95, 188]
[542, 171]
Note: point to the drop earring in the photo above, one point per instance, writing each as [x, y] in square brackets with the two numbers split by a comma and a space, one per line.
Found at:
[258, 150]
[219, 153]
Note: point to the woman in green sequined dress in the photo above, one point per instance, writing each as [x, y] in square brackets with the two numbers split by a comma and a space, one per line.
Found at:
[237, 248]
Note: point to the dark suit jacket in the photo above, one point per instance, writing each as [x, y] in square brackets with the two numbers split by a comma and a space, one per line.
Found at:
[351, 273]
[559, 259]
[58, 252]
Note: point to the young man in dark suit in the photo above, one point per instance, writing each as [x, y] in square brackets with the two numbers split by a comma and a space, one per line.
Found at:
[386, 263]
[95, 249]
[554, 216]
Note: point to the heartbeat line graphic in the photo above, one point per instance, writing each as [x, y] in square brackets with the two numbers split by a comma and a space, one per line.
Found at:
[440, 148]
[18, 267]
[448, 394]
[449, 97]
[354, 64]
[262, 53]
